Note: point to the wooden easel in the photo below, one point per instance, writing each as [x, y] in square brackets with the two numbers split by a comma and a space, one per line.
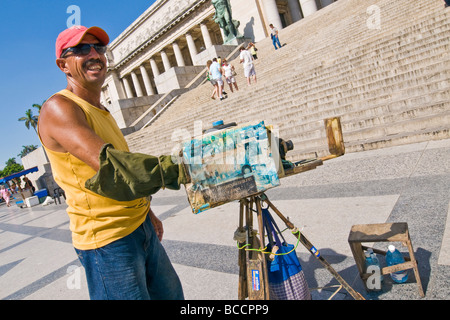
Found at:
[253, 276]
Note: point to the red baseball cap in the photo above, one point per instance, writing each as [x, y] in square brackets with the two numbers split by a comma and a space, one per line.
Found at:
[73, 36]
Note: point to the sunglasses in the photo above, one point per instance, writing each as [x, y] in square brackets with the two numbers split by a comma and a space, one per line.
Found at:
[83, 49]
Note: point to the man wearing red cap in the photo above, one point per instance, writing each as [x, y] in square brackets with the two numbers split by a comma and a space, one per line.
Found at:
[115, 233]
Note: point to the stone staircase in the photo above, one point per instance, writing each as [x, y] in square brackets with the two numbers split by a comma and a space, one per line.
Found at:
[390, 86]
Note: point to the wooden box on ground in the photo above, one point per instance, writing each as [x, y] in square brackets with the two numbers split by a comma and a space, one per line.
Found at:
[383, 232]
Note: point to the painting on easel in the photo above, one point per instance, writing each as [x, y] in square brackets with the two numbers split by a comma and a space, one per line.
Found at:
[228, 165]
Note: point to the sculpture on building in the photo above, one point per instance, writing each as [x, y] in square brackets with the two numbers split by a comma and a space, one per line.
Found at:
[224, 19]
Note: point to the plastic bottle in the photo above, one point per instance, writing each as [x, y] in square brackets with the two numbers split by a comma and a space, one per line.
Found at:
[393, 257]
[372, 260]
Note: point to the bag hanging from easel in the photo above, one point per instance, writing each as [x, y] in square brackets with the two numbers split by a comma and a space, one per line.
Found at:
[286, 278]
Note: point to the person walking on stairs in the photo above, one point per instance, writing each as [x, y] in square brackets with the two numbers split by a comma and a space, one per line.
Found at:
[215, 73]
[274, 36]
[213, 82]
[228, 72]
[247, 60]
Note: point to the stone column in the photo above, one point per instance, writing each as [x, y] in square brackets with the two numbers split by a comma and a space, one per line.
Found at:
[128, 91]
[178, 54]
[147, 82]
[294, 8]
[117, 91]
[273, 16]
[155, 69]
[206, 35]
[192, 48]
[137, 85]
[165, 60]
[308, 7]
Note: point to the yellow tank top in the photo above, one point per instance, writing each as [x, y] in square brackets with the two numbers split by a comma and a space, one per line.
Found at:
[95, 220]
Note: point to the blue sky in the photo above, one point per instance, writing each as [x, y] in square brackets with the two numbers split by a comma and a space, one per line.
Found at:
[28, 73]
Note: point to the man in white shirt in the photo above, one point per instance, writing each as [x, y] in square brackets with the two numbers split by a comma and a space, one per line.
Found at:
[247, 60]
[274, 36]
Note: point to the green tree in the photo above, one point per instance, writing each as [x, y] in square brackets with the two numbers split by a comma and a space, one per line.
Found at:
[11, 167]
[30, 120]
[10, 162]
[38, 106]
[26, 150]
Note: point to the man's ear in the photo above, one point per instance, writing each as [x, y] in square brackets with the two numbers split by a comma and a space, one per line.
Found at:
[62, 65]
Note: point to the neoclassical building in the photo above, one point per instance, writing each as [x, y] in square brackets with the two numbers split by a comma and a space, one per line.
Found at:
[164, 52]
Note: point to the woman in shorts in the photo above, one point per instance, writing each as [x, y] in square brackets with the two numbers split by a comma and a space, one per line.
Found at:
[228, 73]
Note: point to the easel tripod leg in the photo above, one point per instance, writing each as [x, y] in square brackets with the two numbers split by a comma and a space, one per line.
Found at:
[252, 261]
[242, 287]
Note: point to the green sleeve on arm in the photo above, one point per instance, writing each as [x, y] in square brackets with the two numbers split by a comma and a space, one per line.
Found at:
[126, 176]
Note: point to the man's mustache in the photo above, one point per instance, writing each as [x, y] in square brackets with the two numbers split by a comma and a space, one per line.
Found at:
[93, 61]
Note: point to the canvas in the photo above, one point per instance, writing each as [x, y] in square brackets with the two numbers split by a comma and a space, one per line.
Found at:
[228, 165]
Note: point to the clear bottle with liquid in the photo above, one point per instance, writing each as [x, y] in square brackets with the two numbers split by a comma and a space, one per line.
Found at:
[393, 257]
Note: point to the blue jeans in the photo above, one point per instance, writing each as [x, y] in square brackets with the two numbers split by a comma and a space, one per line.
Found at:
[135, 267]
[276, 41]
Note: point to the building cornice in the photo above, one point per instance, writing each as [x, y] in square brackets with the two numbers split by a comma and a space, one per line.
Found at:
[163, 30]
[137, 23]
